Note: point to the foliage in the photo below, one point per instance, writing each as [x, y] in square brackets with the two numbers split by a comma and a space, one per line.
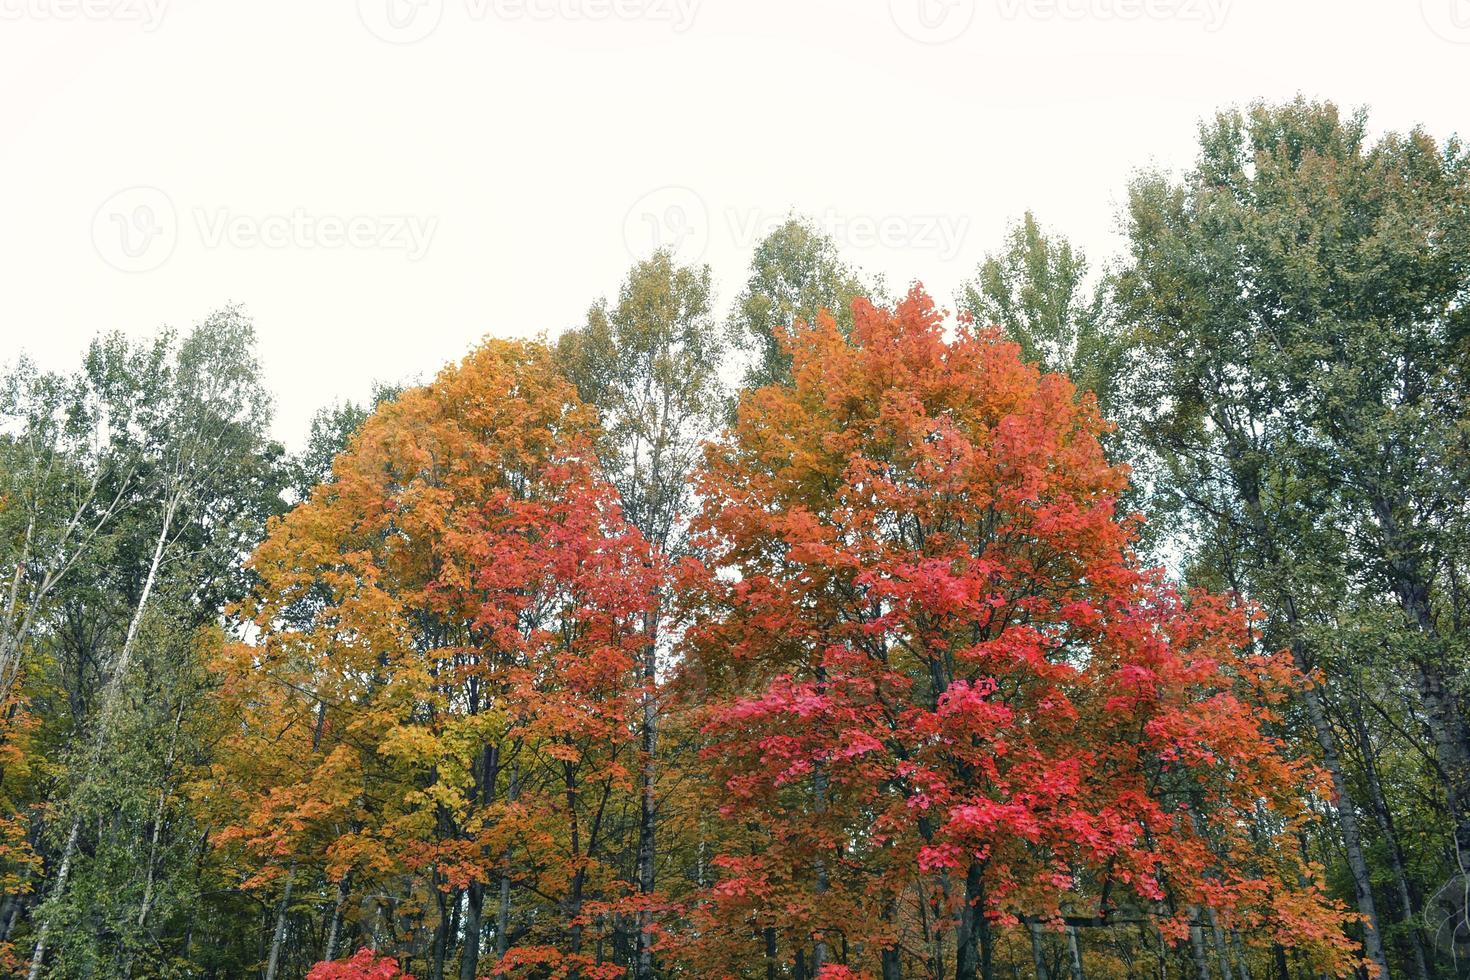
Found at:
[1300, 299]
[796, 274]
[574, 662]
[362, 965]
[932, 673]
[441, 686]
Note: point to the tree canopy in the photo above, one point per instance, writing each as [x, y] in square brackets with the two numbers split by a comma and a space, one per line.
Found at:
[1113, 625]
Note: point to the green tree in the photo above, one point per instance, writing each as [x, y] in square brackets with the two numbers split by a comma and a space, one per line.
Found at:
[207, 478]
[795, 274]
[1039, 291]
[650, 364]
[1299, 300]
[330, 432]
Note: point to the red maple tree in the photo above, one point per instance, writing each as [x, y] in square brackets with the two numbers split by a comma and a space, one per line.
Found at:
[362, 965]
[940, 698]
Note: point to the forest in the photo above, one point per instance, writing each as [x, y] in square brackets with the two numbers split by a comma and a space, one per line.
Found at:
[1107, 619]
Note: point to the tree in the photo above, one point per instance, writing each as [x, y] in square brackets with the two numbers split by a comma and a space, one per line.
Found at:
[362, 965]
[795, 274]
[62, 486]
[442, 696]
[200, 477]
[944, 700]
[1300, 299]
[1037, 291]
[330, 432]
[651, 366]
[67, 476]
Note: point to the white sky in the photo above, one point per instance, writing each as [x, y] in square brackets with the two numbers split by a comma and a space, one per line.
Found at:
[377, 207]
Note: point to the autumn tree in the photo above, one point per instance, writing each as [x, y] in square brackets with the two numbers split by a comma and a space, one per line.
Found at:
[1042, 292]
[440, 706]
[942, 698]
[570, 664]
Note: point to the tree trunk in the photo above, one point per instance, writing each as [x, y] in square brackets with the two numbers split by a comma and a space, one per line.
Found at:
[469, 962]
[1347, 819]
[502, 914]
[1218, 935]
[1411, 585]
[502, 920]
[329, 951]
[474, 913]
[1342, 805]
[1407, 906]
[1074, 954]
[278, 936]
[579, 877]
[647, 813]
[442, 932]
[819, 793]
[1197, 947]
[971, 953]
[1038, 951]
[1242, 964]
[890, 959]
[168, 765]
[38, 956]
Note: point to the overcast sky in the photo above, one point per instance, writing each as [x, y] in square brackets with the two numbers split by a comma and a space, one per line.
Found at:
[382, 182]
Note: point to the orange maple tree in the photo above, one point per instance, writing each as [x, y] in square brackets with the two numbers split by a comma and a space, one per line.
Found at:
[441, 687]
[941, 699]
